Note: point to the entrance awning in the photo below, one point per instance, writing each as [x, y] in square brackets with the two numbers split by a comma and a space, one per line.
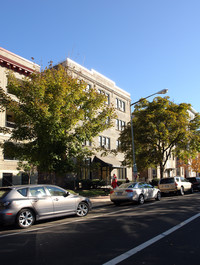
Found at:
[108, 161]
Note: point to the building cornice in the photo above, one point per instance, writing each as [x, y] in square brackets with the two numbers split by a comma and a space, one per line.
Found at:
[17, 63]
[15, 66]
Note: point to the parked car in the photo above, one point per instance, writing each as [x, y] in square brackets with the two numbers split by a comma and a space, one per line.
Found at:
[195, 182]
[24, 205]
[134, 192]
[175, 184]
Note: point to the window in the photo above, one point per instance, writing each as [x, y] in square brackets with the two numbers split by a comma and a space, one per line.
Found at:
[120, 125]
[108, 98]
[87, 143]
[88, 87]
[10, 122]
[9, 151]
[121, 172]
[56, 191]
[154, 172]
[37, 192]
[23, 192]
[120, 105]
[108, 120]
[104, 142]
[118, 144]
[106, 94]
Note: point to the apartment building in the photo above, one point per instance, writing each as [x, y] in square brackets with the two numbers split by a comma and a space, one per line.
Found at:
[21, 67]
[110, 164]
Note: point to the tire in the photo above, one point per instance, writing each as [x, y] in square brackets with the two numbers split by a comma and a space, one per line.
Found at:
[25, 218]
[82, 209]
[191, 190]
[141, 199]
[182, 191]
[158, 196]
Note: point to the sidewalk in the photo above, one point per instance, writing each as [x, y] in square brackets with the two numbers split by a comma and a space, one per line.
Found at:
[100, 201]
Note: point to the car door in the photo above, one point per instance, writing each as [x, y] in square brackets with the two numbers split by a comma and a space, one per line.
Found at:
[143, 190]
[62, 202]
[186, 183]
[150, 191]
[41, 201]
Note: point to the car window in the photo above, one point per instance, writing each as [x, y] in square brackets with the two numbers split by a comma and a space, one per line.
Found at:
[142, 185]
[54, 191]
[132, 185]
[37, 191]
[4, 192]
[23, 191]
[177, 179]
[167, 180]
[127, 185]
[148, 185]
[184, 180]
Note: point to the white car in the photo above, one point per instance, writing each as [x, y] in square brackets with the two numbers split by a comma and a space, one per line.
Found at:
[135, 191]
[175, 184]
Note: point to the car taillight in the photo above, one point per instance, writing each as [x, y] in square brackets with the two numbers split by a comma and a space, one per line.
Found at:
[112, 191]
[176, 184]
[129, 190]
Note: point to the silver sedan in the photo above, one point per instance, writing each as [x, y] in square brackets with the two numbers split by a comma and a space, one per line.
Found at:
[135, 191]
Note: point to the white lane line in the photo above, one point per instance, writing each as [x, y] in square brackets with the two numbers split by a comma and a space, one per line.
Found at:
[133, 251]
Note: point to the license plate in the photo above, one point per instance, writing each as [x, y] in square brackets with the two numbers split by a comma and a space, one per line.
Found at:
[119, 193]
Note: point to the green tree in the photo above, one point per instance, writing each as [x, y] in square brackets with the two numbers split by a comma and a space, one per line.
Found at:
[54, 115]
[161, 128]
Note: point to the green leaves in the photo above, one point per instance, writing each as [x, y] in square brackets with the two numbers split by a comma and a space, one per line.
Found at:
[160, 127]
[54, 115]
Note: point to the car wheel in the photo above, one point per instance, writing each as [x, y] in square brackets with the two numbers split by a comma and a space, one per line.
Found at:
[158, 196]
[182, 191]
[82, 209]
[141, 199]
[191, 190]
[25, 218]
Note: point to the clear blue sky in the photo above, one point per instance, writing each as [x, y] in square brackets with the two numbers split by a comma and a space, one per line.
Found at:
[142, 45]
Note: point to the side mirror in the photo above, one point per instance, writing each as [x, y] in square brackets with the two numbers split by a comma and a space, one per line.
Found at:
[66, 194]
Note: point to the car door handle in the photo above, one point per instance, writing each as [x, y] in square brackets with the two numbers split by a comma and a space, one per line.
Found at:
[34, 200]
[56, 199]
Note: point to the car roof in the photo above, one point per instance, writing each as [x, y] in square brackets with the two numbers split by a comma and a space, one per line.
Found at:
[27, 186]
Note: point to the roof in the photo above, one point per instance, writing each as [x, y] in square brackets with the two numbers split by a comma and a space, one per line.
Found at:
[109, 161]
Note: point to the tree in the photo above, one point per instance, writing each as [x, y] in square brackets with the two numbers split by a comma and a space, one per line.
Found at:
[195, 164]
[54, 115]
[161, 128]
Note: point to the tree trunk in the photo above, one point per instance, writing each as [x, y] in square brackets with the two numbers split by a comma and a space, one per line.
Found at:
[161, 170]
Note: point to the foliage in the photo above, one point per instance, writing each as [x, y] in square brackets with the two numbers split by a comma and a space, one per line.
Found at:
[93, 192]
[54, 115]
[92, 183]
[195, 164]
[161, 128]
[154, 182]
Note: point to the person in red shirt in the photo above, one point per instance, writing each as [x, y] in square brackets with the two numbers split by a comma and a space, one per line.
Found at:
[114, 182]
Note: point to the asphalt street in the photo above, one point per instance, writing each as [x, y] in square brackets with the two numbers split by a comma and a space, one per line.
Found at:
[165, 232]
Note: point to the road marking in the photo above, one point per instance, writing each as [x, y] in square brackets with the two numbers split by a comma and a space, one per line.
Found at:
[133, 251]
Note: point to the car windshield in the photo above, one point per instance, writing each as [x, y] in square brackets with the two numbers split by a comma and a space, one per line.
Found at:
[167, 181]
[127, 185]
[4, 191]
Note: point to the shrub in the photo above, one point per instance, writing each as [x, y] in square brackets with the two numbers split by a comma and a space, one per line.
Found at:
[154, 182]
